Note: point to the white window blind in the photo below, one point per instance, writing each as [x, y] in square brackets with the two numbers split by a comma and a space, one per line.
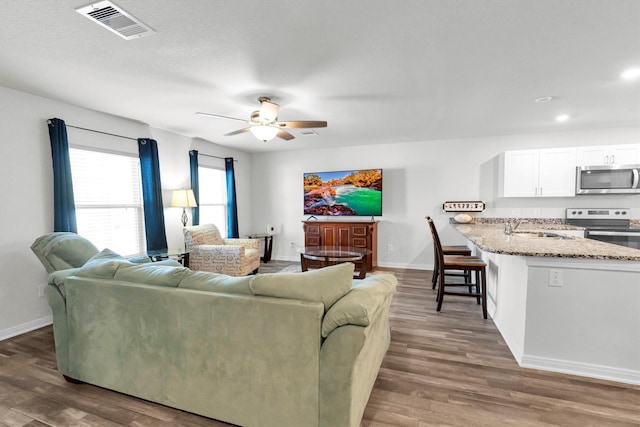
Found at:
[108, 197]
[213, 198]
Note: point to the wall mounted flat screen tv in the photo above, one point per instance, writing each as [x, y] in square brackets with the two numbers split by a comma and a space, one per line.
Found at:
[343, 193]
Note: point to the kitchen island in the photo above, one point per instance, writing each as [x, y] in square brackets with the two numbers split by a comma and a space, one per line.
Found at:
[562, 303]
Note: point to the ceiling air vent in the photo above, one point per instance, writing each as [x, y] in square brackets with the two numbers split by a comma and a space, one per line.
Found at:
[113, 18]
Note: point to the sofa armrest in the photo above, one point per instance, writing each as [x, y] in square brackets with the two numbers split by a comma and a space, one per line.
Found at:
[57, 301]
[247, 243]
[362, 304]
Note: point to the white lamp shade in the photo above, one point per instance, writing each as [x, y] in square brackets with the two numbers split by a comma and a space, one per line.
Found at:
[268, 111]
[264, 133]
[183, 199]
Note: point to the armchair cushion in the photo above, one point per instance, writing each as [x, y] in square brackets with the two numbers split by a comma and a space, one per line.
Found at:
[326, 285]
[207, 234]
[247, 243]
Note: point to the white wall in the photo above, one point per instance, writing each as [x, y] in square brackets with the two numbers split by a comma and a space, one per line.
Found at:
[26, 190]
[417, 178]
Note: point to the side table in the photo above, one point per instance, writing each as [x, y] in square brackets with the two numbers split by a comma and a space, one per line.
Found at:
[268, 244]
[181, 254]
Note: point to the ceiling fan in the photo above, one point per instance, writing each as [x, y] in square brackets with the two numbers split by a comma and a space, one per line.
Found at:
[264, 123]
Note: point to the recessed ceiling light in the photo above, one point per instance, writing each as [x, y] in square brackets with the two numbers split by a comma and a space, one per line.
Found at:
[562, 118]
[543, 99]
[630, 74]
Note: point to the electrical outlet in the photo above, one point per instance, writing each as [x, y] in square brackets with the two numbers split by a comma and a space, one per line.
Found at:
[555, 277]
[41, 293]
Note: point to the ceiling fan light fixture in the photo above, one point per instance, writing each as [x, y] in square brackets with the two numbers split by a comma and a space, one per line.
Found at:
[264, 133]
[268, 110]
[630, 74]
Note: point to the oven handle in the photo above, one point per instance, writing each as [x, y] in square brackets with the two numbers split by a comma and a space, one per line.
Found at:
[635, 178]
[613, 233]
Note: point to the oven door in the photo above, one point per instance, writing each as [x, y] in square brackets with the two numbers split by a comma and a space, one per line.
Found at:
[630, 239]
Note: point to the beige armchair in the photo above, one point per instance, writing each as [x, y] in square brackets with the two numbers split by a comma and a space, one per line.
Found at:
[210, 252]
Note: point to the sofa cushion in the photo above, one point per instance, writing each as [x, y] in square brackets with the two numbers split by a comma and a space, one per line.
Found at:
[151, 274]
[325, 285]
[103, 264]
[62, 250]
[213, 282]
[361, 304]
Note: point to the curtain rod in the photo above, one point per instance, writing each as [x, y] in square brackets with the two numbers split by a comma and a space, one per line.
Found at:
[215, 157]
[128, 137]
[97, 131]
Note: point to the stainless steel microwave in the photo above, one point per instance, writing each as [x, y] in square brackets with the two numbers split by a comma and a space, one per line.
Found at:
[609, 179]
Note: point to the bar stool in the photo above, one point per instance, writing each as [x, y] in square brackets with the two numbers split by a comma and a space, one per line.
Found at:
[466, 264]
[448, 250]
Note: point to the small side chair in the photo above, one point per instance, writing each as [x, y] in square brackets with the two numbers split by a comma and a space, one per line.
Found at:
[466, 264]
[208, 251]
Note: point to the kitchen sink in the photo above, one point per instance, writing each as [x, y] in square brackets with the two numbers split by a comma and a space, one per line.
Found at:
[542, 234]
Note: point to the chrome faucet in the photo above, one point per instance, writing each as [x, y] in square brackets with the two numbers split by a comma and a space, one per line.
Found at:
[517, 224]
[510, 227]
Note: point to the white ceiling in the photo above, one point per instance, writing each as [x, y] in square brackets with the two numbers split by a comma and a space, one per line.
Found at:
[379, 71]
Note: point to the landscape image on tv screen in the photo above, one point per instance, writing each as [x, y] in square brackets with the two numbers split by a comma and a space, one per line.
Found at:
[343, 193]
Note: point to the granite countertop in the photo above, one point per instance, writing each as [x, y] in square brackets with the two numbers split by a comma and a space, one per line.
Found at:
[525, 242]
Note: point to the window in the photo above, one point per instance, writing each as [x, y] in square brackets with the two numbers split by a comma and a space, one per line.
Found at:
[213, 198]
[108, 198]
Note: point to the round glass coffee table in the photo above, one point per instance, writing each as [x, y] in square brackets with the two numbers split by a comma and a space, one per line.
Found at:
[331, 255]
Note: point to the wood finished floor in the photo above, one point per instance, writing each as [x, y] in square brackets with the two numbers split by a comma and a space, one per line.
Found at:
[447, 369]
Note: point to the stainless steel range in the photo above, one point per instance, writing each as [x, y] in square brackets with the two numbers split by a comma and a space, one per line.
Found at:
[610, 225]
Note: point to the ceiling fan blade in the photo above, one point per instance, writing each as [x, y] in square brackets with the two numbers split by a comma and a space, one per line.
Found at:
[217, 116]
[303, 124]
[236, 132]
[283, 134]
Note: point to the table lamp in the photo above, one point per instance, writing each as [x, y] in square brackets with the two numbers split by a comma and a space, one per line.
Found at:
[183, 199]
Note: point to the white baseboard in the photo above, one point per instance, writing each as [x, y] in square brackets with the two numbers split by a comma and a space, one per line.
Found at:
[582, 369]
[25, 327]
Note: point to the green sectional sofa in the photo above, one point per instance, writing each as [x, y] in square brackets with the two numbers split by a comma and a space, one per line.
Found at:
[288, 349]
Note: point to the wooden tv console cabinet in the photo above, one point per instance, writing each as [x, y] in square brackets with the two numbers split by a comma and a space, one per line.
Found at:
[358, 234]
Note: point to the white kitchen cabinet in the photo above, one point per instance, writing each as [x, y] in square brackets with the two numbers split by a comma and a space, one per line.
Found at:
[547, 172]
[608, 155]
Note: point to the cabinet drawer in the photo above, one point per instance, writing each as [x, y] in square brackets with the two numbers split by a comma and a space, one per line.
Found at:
[312, 229]
[312, 241]
[359, 230]
[359, 242]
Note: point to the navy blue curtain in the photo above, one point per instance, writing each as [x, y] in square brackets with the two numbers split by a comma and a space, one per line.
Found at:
[232, 205]
[64, 207]
[152, 195]
[195, 186]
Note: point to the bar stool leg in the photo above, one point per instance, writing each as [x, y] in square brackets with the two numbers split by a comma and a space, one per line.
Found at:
[483, 276]
[434, 278]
